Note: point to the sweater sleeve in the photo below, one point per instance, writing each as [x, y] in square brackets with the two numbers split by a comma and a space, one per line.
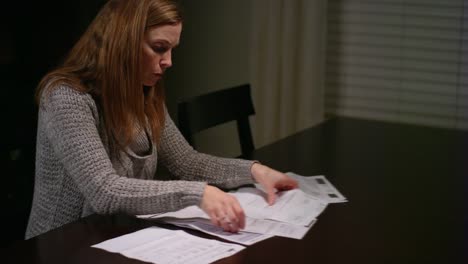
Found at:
[72, 129]
[187, 164]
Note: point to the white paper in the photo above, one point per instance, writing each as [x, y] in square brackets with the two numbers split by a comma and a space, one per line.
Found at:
[275, 228]
[158, 245]
[293, 207]
[292, 215]
[319, 187]
[184, 213]
[241, 237]
[256, 226]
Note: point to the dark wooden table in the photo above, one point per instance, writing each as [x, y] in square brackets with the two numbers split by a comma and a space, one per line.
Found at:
[406, 187]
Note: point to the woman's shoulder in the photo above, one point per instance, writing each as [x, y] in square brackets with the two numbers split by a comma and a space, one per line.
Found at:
[65, 96]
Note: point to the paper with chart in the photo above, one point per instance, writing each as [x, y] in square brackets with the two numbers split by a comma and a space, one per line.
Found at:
[158, 245]
[258, 226]
[292, 215]
[293, 207]
[242, 237]
[194, 218]
[276, 228]
[255, 230]
[319, 187]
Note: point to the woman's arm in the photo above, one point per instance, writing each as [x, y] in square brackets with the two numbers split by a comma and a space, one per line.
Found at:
[70, 123]
[187, 164]
[224, 210]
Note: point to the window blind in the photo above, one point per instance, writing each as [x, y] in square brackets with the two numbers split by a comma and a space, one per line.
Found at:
[398, 60]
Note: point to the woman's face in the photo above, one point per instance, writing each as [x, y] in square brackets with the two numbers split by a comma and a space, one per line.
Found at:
[157, 51]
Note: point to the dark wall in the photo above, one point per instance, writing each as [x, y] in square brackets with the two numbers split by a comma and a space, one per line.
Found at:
[35, 36]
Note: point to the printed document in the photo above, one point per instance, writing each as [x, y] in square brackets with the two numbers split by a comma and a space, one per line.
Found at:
[255, 230]
[293, 207]
[319, 187]
[203, 225]
[275, 228]
[158, 245]
[292, 215]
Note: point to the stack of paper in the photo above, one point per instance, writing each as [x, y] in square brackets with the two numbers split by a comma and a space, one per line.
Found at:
[292, 215]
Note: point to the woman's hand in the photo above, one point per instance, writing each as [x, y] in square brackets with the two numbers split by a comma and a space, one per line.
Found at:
[223, 209]
[272, 180]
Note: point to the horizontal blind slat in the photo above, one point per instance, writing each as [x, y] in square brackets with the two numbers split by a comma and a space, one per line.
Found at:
[337, 18]
[385, 51]
[352, 60]
[390, 84]
[409, 9]
[392, 73]
[401, 31]
[435, 3]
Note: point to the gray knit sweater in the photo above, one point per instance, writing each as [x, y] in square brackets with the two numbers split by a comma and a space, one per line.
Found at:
[75, 175]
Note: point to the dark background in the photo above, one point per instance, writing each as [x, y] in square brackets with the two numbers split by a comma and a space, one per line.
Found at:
[35, 36]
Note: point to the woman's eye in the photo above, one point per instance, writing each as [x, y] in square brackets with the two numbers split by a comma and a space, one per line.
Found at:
[160, 49]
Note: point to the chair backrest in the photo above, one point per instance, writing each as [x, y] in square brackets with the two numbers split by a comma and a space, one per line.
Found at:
[209, 110]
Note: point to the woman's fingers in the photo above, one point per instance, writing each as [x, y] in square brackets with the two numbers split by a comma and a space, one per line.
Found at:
[226, 219]
[272, 180]
[224, 209]
[233, 216]
[239, 212]
[229, 224]
[287, 183]
[271, 196]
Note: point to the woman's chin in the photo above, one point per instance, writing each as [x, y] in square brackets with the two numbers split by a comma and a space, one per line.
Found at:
[153, 83]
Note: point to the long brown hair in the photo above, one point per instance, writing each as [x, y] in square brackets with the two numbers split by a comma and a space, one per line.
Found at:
[106, 63]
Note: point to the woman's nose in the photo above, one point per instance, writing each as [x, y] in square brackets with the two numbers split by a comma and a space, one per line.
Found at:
[166, 61]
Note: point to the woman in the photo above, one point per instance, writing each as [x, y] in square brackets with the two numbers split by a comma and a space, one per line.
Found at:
[103, 127]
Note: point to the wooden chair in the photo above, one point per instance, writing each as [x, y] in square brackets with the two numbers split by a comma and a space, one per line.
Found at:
[212, 109]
